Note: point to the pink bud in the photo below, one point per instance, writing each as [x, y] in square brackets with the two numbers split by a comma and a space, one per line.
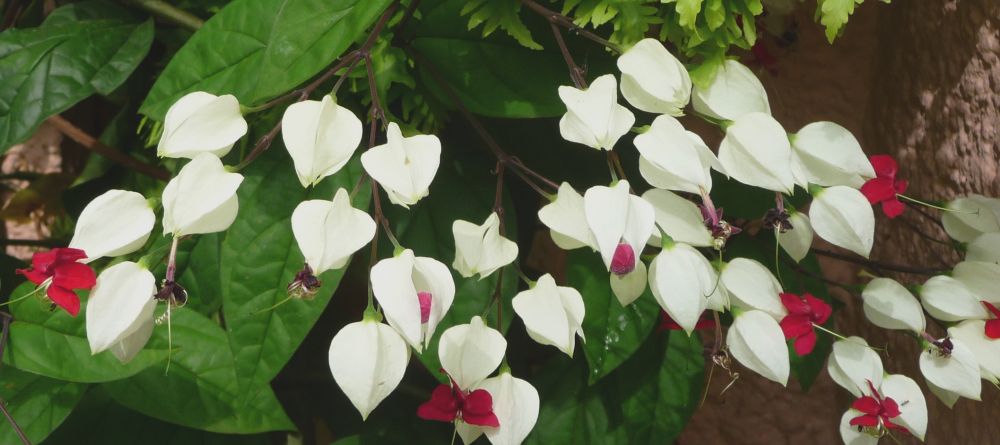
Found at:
[425, 306]
[623, 260]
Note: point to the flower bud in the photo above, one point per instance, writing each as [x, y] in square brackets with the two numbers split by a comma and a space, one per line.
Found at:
[200, 123]
[329, 232]
[481, 249]
[797, 240]
[593, 116]
[972, 216]
[830, 155]
[674, 159]
[553, 315]
[321, 137]
[947, 299]
[116, 223]
[952, 367]
[888, 305]
[471, 352]
[756, 152]
[757, 342]
[404, 166]
[682, 281]
[567, 220]
[368, 360]
[679, 218]
[844, 217]
[397, 283]
[119, 305]
[853, 364]
[617, 217]
[986, 350]
[734, 91]
[751, 285]
[653, 80]
[201, 198]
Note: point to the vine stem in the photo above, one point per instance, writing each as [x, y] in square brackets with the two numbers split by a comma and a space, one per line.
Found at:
[7, 318]
[878, 265]
[170, 12]
[566, 22]
[575, 72]
[91, 143]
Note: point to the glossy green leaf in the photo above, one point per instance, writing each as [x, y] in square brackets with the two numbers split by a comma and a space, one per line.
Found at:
[200, 276]
[37, 403]
[613, 332]
[48, 69]
[571, 412]
[258, 49]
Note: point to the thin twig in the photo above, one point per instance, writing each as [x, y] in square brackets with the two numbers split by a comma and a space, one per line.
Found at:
[575, 72]
[567, 23]
[919, 209]
[91, 143]
[7, 319]
[878, 264]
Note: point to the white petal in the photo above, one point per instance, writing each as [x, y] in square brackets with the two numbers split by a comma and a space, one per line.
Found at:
[957, 373]
[515, 403]
[756, 152]
[756, 341]
[404, 166]
[946, 397]
[480, 249]
[329, 232]
[844, 217]
[979, 277]
[468, 433]
[567, 220]
[320, 136]
[594, 117]
[973, 216]
[734, 91]
[752, 286]
[830, 155]
[629, 287]
[116, 223]
[679, 218]
[985, 247]
[798, 240]
[853, 364]
[471, 352]
[681, 280]
[850, 434]
[653, 80]
[368, 360]
[889, 305]
[430, 275]
[546, 319]
[393, 286]
[607, 215]
[201, 198]
[131, 345]
[669, 159]
[640, 223]
[912, 405]
[947, 299]
[201, 123]
[972, 334]
[120, 302]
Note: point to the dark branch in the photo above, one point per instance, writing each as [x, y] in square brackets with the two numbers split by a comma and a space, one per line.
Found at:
[91, 143]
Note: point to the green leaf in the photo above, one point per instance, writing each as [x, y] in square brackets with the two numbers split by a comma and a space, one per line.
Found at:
[834, 14]
[200, 276]
[48, 69]
[259, 258]
[54, 344]
[572, 412]
[613, 332]
[38, 404]
[258, 49]
[493, 14]
[688, 11]
[199, 389]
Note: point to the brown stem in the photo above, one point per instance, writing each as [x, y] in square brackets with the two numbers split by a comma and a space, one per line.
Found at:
[877, 264]
[615, 162]
[919, 209]
[91, 143]
[7, 319]
[575, 72]
[566, 22]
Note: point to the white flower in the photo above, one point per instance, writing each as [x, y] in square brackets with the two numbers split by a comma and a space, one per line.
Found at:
[200, 123]
[734, 91]
[972, 216]
[756, 341]
[907, 397]
[131, 345]
[553, 315]
[368, 359]
[515, 403]
[414, 293]
[888, 305]
[567, 220]
[481, 249]
[679, 218]
[201, 198]
[682, 281]
[986, 350]
[947, 299]
[830, 155]
[621, 224]
[321, 137]
[329, 232]
[756, 152]
[980, 277]
[471, 352]
[675, 159]
[120, 304]
[850, 434]
[797, 240]
[404, 166]
[955, 371]
[985, 247]
[116, 223]
[593, 116]
[853, 364]
[653, 80]
[751, 285]
[844, 217]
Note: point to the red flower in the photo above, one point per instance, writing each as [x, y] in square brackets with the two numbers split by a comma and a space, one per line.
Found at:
[803, 313]
[668, 324]
[61, 267]
[876, 411]
[884, 187]
[448, 403]
[992, 326]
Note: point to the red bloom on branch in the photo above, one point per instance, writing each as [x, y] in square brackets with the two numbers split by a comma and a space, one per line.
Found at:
[449, 403]
[876, 410]
[992, 326]
[60, 272]
[803, 313]
[668, 324]
[884, 187]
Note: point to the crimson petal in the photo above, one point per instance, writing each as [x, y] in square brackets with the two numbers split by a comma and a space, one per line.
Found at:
[890, 408]
[442, 406]
[794, 303]
[805, 343]
[993, 329]
[73, 276]
[885, 166]
[867, 405]
[64, 298]
[865, 420]
[878, 190]
[795, 325]
[820, 309]
[32, 275]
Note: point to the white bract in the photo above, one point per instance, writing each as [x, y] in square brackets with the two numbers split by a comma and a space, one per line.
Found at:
[947, 299]
[471, 352]
[329, 232]
[675, 159]
[734, 91]
[972, 216]
[850, 434]
[756, 152]
[201, 198]
[414, 293]
[621, 223]
[888, 305]
[593, 116]
[955, 371]
[116, 223]
[367, 359]
[985, 247]
[679, 218]
[515, 403]
[797, 240]
[980, 277]
[751, 285]
[756, 341]
[404, 166]
[682, 281]
[567, 220]
[553, 315]
[119, 306]
[200, 123]
[830, 155]
[844, 217]
[986, 350]
[853, 364]
[481, 249]
[653, 80]
[321, 137]
[912, 405]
